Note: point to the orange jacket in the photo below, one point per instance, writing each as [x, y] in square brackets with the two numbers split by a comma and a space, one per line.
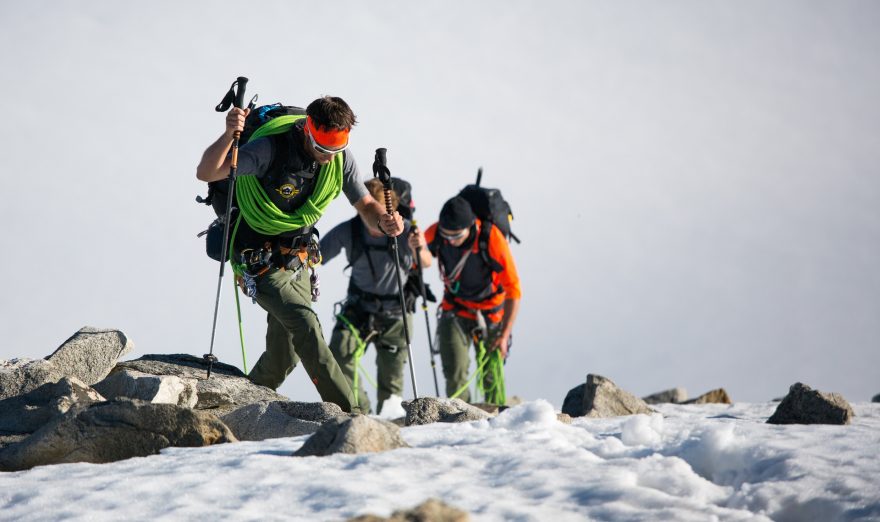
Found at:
[505, 282]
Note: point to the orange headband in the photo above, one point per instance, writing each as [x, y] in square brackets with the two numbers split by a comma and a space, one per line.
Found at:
[330, 138]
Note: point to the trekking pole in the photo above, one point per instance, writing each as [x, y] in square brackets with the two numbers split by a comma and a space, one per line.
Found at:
[238, 99]
[425, 309]
[380, 170]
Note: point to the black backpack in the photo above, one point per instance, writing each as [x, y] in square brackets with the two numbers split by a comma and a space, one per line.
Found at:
[489, 205]
[218, 191]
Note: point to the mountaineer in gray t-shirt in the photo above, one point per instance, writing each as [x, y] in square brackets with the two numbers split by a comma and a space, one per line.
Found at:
[274, 242]
[371, 311]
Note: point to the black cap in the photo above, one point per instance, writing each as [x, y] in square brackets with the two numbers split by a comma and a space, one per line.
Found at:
[456, 214]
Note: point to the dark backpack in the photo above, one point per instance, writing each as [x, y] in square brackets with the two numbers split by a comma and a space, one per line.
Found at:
[218, 191]
[489, 205]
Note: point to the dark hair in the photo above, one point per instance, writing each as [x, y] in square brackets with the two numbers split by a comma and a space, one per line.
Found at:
[377, 190]
[331, 112]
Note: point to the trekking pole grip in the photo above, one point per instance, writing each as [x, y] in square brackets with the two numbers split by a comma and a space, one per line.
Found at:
[239, 96]
[380, 170]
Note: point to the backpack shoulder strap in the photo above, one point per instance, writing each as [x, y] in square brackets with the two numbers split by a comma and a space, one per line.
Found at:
[357, 239]
[483, 246]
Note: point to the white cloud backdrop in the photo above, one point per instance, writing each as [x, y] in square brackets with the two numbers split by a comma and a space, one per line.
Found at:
[695, 183]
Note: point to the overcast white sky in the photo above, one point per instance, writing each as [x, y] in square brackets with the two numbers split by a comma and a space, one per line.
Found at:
[695, 182]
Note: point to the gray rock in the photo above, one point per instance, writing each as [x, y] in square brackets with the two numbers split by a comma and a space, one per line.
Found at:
[274, 419]
[573, 404]
[90, 353]
[228, 389]
[426, 410]
[27, 413]
[431, 510]
[804, 405]
[357, 434]
[670, 396]
[158, 389]
[602, 398]
[20, 376]
[716, 396]
[114, 430]
[876, 398]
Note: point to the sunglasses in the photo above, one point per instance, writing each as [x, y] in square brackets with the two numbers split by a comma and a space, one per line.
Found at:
[323, 150]
[453, 237]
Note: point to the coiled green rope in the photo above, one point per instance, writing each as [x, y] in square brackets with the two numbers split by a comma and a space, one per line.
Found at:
[258, 210]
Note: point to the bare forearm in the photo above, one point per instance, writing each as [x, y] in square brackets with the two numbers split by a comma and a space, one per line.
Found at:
[371, 213]
[511, 309]
[425, 257]
[215, 163]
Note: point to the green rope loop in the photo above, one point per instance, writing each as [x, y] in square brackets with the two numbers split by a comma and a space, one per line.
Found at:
[258, 210]
[481, 363]
[492, 364]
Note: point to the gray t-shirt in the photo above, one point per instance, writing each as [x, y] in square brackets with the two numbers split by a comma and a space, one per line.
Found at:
[384, 282]
[255, 158]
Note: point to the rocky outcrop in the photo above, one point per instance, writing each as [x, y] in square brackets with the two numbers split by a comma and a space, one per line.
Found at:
[431, 510]
[274, 419]
[876, 398]
[716, 396]
[158, 389]
[670, 396]
[573, 404]
[27, 413]
[20, 376]
[602, 398]
[114, 430]
[90, 354]
[426, 410]
[358, 434]
[228, 389]
[804, 405]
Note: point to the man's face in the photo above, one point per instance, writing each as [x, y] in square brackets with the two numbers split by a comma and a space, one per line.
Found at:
[455, 238]
[320, 154]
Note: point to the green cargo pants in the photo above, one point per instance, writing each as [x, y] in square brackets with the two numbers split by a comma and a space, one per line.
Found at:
[294, 333]
[454, 339]
[391, 356]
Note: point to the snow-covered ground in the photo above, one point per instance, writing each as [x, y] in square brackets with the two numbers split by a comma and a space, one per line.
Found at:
[697, 463]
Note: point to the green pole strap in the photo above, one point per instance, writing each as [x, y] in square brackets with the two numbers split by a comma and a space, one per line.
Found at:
[240, 332]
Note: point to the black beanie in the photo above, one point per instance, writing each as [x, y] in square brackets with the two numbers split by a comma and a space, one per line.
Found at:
[456, 214]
